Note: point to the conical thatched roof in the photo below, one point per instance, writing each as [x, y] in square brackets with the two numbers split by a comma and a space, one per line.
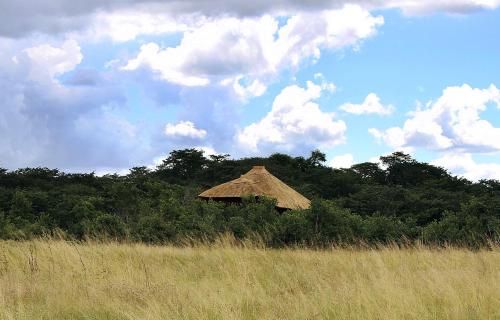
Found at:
[259, 182]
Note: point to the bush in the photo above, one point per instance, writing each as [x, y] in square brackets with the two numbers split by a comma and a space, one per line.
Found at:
[380, 229]
[404, 200]
[293, 228]
[155, 229]
[331, 223]
[109, 225]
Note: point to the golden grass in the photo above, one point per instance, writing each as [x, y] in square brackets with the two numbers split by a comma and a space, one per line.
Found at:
[62, 280]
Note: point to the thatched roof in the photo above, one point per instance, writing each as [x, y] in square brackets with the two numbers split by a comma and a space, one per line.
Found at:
[259, 182]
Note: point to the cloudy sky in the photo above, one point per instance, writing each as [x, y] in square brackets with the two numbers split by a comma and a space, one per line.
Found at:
[104, 86]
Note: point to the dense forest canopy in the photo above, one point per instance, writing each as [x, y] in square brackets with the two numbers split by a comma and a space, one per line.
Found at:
[402, 199]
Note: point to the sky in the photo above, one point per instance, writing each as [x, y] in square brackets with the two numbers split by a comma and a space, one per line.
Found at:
[101, 87]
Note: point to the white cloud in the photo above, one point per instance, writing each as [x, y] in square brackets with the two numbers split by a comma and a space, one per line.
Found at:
[207, 151]
[166, 63]
[306, 33]
[228, 49]
[185, 129]
[452, 122]
[254, 89]
[342, 161]
[126, 25]
[222, 48]
[465, 166]
[105, 171]
[52, 61]
[44, 122]
[325, 85]
[371, 104]
[295, 121]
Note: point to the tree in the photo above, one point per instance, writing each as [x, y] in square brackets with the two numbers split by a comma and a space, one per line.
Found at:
[21, 210]
[370, 171]
[491, 185]
[218, 158]
[400, 198]
[184, 164]
[139, 172]
[402, 169]
[396, 158]
[316, 159]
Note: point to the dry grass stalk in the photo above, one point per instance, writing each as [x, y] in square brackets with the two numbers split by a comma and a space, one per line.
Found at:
[235, 280]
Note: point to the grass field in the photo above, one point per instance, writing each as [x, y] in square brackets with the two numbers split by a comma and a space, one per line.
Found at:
[62, 280]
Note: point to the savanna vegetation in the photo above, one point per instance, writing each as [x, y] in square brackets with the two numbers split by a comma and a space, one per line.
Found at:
[379, 242]
[52, 280]
[400, 201]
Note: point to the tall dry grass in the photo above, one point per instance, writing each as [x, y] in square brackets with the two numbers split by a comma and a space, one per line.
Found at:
[63, 280]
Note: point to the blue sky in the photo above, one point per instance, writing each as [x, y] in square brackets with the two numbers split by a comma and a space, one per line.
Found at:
[104, 88]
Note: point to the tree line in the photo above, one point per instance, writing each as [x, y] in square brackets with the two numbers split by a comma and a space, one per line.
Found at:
[399, 200]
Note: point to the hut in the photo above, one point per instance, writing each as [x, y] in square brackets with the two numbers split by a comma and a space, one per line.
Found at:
[258, 182]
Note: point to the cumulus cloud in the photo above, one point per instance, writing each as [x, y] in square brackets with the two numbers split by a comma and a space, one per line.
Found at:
[342, 161]
[185, 129]
[208, 151]
[464, 165]
[453, 122]
[22, 17]
[295, 123]
[165, 63]
[77, 119]
[371, 104]
[325, 85]
[45, 122]
[214, 109]
[126, 25]
[254, 89]
[47, 60]
[254, 48]
[254, 52]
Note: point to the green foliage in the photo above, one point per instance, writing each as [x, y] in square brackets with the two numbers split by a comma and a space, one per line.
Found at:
[21, 207]
[475, 224]
[183, 164]
[154, 229]
[402, 200]
[293, 228]
[382, 229]
[332, 223]
[110, 226]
